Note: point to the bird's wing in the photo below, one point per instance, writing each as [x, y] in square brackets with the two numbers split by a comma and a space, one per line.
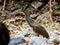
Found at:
[40, 30]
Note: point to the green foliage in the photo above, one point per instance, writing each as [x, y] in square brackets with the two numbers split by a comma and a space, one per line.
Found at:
[47, 24]
[24, 25]
[6, 22]
[57, 10]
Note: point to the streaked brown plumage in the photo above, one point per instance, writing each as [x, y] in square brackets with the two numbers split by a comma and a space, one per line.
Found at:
[36, 27]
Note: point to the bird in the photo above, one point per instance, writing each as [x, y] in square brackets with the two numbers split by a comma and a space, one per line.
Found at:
[38, 29]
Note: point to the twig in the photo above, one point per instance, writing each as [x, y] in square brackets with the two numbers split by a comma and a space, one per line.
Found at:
[3, 8]
[50, 2]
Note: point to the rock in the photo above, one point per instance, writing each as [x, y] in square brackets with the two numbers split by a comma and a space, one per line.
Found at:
[38, 41]
[17, 41]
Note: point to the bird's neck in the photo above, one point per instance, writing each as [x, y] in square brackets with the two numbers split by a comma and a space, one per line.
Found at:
[29, 20]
